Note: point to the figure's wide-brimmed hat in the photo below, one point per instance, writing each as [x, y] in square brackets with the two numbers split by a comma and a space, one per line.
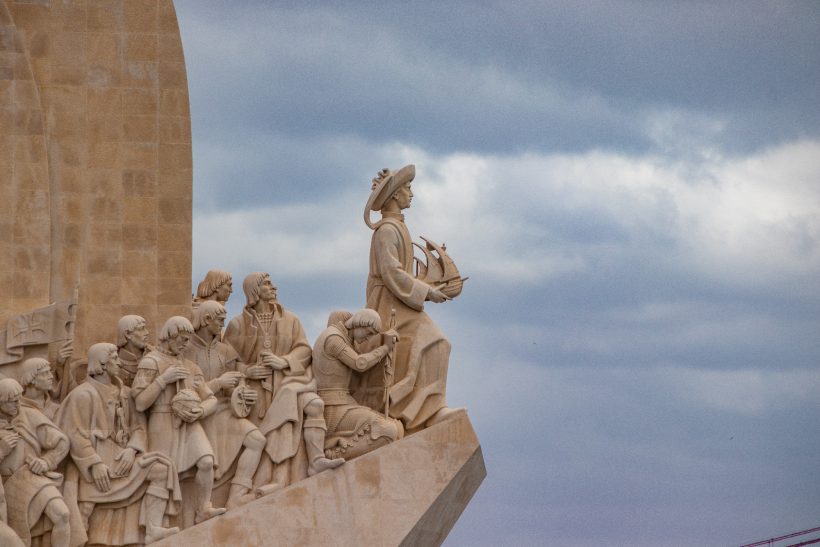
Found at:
[388, 185]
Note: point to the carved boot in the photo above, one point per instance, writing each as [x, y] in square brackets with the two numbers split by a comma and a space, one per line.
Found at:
[154, 511]
[315, 447]
[208, 512]
[239, 494]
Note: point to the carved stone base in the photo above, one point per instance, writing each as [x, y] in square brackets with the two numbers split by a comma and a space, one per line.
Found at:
[410, 492]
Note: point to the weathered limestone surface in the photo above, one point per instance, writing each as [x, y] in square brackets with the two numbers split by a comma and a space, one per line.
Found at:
[407, 493]
[95, 160]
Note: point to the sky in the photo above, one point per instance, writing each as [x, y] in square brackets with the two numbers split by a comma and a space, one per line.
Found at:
[633, 189]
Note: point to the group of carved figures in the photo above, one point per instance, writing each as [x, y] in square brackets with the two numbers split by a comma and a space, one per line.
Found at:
[157, 438]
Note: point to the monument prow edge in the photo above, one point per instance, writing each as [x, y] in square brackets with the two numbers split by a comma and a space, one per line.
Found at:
[410, 492]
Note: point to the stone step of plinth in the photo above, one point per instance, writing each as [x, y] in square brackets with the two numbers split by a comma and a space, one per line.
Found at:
[410, 492]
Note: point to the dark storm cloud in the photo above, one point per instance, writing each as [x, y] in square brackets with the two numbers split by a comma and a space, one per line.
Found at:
[507, 76]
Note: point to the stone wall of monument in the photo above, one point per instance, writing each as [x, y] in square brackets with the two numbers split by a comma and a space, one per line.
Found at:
[95, 161]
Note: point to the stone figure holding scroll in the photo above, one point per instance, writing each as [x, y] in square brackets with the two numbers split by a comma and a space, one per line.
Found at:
[271, 340]
[173, 393]
[417, 389]
[31, 448]
[116, 473]
[350, 345]
[234, 438]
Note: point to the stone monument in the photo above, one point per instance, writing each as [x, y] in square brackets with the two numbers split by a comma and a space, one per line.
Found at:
[124, 423]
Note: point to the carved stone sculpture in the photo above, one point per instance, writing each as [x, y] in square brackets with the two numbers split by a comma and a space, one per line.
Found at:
[132, 344]
[217, 285]
[417, 388]
[114, 472]
[173, 393]
[348, 347]
[289, 413]
[37, 381]
[234, 438]
[31, 448]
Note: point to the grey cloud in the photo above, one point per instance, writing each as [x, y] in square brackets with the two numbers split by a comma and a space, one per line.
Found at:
[507, 76]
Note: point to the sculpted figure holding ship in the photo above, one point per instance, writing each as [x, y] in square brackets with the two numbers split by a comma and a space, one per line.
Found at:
[415, 390]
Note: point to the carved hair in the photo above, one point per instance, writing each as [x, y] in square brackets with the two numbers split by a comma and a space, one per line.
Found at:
[126, 325]
[364, 318]
[338, 316]
[31, 368]
[10, 390]
[207, 309]
[174, 326]
[213, 280]
[97, 355]
[251, 286]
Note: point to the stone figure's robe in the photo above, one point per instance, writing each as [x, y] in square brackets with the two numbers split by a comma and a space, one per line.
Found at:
[279, 410]
[27, 494]
[185, 443]
[225, 430]
[352, 429]
[422, 354]
[101, 421]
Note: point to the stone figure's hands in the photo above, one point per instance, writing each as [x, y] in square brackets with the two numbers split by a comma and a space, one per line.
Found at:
[65, 352]
[257, 372]
[249, 395]
[435, 295]
[126, 461]
[38, 466]
[390, 338]
[230, 379]
[8, 440]
[173, 374]
[193, 414]
[100, 474]
[273, 361]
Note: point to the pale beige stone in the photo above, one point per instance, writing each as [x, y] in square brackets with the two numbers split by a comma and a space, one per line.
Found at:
[409, 492]
[88, 89]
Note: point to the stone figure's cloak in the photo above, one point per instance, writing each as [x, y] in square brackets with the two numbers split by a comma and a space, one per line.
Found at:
[185, 443]
[98, 433]
[281, 402]
[225, 430]
[422, 353]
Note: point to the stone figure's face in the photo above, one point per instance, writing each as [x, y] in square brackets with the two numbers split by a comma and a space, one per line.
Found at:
[112, 364]
[404, 196]
[267, 290]
[177, 343]
[138, 336]
[224, 291]
[44, 379]
[10, 408]
[216, 323]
